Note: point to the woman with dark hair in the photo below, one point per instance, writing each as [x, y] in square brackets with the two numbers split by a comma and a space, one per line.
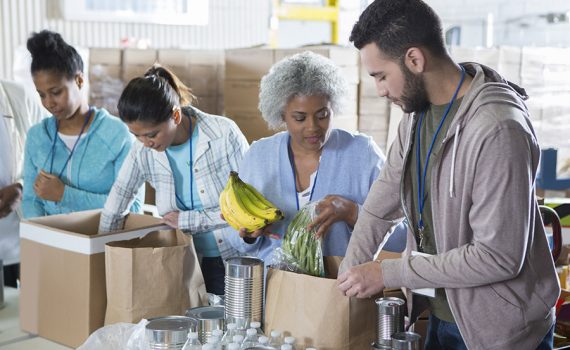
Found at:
[71, 159]
[187, 156]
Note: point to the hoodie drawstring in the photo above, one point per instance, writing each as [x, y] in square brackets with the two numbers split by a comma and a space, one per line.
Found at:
[453, 155]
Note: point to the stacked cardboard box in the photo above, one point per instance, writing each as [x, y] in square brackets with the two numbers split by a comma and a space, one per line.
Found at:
[373, 111]
[244, 70]
[545, 74]
[105, 78]
[136, 62]
[202, 71]
[246, 67]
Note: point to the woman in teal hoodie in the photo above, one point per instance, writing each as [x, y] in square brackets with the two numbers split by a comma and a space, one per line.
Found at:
[72, 158]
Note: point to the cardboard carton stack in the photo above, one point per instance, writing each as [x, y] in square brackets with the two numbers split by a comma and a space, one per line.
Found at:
[202, 71]
[244, 70]
[505, 59]
[545, 74]
[246, 67]
[136, 62]
[105, 78]
[373, 111]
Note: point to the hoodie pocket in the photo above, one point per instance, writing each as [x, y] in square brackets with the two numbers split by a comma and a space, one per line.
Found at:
[493, 312]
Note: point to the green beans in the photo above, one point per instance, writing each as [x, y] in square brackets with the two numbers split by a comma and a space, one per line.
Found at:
[301, 245]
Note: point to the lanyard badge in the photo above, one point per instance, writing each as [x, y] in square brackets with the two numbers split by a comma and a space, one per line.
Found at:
[422, 174]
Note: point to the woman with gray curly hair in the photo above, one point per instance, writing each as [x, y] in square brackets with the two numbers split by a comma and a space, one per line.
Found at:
[311, 160]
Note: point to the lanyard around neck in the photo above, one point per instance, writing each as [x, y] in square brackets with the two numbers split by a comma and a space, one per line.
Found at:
[422, 175]
[292, 161]
[89, 113]
[184, 207]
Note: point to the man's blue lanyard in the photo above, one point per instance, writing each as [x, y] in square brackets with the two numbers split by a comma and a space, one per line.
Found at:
[182, 204]
[89, 113]
[422, 175]
[292, 161]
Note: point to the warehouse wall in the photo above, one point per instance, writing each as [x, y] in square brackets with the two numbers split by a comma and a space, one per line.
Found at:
[516, 22]
[235, 23]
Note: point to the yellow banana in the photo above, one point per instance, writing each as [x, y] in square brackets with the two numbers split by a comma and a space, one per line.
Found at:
[258, 196]
[237, 213]
[255, 206]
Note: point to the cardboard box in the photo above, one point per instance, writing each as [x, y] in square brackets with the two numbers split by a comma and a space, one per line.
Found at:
[141, 57]
[208, 104]
[62, 296]
[201, 70]
[345, 57]
[346, 122]
[104, 56]
[181, 57]
[249, 64]
[251, 124]
[340, 55]
[378, 121]
[241, 95]
[374, 105]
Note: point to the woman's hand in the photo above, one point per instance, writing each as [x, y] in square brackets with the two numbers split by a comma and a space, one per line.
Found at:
[250, 237]
[171, 219]
[331, 209]
[10, 197]
[48, 187]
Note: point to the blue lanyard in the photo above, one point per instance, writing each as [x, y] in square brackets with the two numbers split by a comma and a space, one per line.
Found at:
[74, 145]
[292, 161]
[184, 207]
[422, 176]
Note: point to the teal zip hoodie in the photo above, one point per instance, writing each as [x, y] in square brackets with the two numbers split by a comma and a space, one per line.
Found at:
[90, 172]
[493, 257]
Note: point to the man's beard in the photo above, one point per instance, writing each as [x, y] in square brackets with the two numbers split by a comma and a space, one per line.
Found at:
[414, 98]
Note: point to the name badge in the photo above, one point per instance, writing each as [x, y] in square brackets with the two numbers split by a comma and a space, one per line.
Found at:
[428, 292]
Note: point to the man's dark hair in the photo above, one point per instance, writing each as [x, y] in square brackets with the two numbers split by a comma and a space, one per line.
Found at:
[397, 25]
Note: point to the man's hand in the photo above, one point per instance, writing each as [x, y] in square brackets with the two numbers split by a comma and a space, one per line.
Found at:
[10, 197]
[49, 187]
[362, 281]
[171, 219]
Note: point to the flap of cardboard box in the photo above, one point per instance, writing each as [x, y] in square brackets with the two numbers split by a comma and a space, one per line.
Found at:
[77, 232]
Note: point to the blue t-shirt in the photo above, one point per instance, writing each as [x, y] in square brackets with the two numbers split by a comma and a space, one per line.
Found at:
[179, 159]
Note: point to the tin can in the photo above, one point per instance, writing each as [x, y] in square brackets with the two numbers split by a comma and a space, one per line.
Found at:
[208, 319]
[406, 341]
[390, 320]
[168, 333]
[244, 290]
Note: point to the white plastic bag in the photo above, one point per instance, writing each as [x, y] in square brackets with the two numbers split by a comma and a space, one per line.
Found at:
[118, 336]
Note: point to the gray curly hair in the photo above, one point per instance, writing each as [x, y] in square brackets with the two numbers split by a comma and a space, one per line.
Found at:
[303, 74]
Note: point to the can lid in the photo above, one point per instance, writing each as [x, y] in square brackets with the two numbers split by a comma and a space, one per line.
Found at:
[244, 267]
[244, 261]
[170, 323]
[206, 312]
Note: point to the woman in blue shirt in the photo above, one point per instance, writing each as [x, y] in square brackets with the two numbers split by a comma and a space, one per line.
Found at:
[70, 159]
[187, 156]
[311, 161]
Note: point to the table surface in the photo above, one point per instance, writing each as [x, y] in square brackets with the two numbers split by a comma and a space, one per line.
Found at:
[11, 336]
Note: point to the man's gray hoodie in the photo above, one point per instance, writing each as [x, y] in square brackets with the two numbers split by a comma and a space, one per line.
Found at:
[493, 256]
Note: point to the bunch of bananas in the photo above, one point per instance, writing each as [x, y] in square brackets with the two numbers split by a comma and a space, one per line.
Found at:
[244, 207]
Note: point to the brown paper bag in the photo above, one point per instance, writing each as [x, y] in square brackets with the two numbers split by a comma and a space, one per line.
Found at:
[156, 275]
[314, 311]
